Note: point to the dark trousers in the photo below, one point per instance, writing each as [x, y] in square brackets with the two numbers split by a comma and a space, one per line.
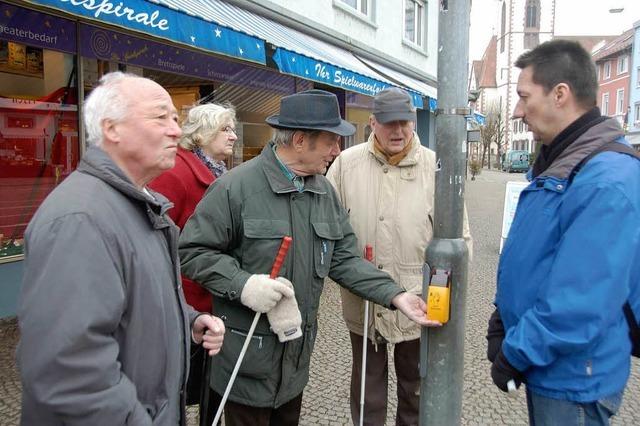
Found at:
[406, 359]
[236, 414]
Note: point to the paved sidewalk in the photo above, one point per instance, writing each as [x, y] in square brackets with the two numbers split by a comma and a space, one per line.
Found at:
[325, 399]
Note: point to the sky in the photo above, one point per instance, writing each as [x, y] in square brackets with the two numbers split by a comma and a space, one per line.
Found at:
[573, 17]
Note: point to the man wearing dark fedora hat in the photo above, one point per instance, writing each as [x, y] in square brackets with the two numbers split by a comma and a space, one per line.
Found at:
[230, 242]
[387, 184]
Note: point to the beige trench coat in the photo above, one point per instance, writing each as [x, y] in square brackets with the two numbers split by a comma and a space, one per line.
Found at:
[390, 208]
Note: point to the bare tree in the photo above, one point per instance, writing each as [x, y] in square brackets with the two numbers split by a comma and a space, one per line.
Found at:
[491, 132]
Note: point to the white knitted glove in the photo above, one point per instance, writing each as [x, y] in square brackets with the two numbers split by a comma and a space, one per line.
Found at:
[261, 293]
[285, 317]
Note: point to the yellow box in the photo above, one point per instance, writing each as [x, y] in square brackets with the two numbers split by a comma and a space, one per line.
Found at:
[438, 303]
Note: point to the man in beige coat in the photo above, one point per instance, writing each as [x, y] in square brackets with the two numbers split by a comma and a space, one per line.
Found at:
[387, 186]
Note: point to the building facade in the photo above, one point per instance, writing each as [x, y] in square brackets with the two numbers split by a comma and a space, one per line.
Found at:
[522, 25]
[633, 125]
[250, 54]
[613, 69]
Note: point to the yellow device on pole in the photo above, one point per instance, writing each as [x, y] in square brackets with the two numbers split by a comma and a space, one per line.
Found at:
[438, 296]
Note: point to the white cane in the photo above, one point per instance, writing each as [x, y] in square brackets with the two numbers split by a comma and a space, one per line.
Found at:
[368, 255]
[277, 264]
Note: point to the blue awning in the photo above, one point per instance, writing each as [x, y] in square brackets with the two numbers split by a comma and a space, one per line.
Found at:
[322, 72]
[292, 43]
[175, 24]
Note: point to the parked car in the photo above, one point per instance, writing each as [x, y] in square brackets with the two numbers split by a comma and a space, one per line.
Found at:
[515, 161]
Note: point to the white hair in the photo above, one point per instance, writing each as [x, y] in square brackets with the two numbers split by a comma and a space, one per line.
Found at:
[106, 102]
[203, 122]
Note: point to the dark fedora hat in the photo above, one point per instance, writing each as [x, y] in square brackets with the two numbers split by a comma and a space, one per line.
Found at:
[311, 110]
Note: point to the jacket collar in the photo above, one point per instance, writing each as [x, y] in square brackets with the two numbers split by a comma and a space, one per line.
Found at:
[409, 160]
[278, 181]
[598, 135]
[200, 171]
[97, 163]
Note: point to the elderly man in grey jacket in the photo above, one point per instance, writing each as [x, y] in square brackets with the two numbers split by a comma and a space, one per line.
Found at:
[103, 322]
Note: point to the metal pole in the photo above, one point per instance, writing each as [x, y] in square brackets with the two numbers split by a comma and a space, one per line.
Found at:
[441, 361]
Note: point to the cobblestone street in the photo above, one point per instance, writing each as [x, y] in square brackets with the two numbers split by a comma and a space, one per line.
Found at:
[326, 397]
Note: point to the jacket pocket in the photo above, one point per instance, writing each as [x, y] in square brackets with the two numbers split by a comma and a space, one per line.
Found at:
[262, 238]
[412, 283]
[258, 359]
[326, 235]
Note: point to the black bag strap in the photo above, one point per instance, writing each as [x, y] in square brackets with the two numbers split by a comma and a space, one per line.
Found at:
[614, 146]
[634, 327]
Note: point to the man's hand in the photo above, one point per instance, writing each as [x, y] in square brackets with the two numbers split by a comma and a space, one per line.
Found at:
[414, 308]
[502, 372]
[262, 293]
[209, 331]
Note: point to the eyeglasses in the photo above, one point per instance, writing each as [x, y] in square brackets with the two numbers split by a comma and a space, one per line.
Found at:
[229, 130]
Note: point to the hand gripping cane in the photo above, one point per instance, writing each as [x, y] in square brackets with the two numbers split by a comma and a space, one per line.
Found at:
[277, 264]
[368, 255]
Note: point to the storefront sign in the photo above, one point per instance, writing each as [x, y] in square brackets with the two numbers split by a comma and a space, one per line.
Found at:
[36, 29]
[311, 69]
[160, 21]
[112, 46]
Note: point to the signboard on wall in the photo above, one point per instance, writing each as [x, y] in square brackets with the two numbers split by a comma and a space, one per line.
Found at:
[31, 28]
[108, 45]
[160, 21]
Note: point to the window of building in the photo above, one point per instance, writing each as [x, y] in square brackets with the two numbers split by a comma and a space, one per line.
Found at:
[414, 21]
[605, 104]
[638, 77]
[620, 101]
[39, 145]
[532, 17]
[607, 70]
[598, 72]
[361, 6]
[636, 114]
[623, 64]
[503, 22]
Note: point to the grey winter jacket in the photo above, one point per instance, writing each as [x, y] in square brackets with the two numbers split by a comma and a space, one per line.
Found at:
[103, 322]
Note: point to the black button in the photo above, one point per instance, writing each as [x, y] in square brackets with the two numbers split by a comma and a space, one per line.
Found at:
[233, 293]
[380, 266]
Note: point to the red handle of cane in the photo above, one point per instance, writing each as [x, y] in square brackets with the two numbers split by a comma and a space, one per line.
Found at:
[368, 253]
[282, 253]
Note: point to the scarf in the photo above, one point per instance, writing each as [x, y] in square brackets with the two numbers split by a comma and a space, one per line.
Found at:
[394, 159]
[218, 168]
[549, 153]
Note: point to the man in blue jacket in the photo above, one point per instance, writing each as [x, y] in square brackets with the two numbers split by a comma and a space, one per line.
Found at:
[572, 258]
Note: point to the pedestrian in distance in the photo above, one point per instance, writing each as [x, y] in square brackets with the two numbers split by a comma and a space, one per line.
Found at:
[229, 243]
[104, 327]
[572, 257]
[208, 137]
[387, 185]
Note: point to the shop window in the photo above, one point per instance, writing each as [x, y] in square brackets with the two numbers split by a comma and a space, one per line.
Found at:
[414, 18]
[39, 145]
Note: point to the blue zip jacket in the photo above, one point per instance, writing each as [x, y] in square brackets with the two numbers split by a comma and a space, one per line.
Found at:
[570, 262]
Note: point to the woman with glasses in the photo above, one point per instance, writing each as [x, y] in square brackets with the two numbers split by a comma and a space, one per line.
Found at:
[208, 136]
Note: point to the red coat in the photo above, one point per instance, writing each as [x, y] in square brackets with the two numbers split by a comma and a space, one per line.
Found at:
[184, 186]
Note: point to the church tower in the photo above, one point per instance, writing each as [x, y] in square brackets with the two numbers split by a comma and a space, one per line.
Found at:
[522, 25]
